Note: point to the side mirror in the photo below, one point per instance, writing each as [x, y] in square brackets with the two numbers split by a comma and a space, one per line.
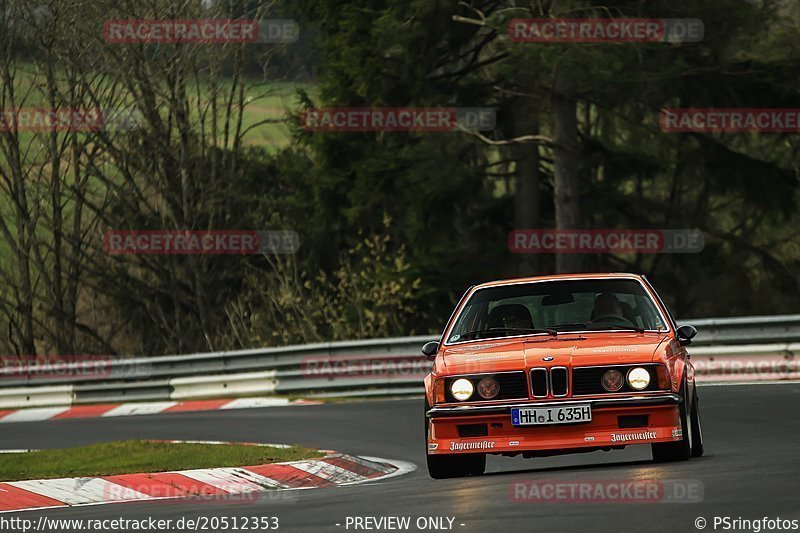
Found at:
[685, 334]
[430, 349]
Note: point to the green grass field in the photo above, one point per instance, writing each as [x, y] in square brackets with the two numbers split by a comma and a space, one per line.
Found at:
[264, 100]
[139, 456]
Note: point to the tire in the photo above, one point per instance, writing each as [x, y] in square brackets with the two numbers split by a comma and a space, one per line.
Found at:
[667, 452]
[451, 466]
[697, 430]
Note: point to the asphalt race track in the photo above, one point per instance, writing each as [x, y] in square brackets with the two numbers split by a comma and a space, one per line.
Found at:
[751, 468]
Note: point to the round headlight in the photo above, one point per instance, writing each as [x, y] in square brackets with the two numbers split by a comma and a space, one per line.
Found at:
[488, 388]
[462, 389]
[638, 378]
[612, 380]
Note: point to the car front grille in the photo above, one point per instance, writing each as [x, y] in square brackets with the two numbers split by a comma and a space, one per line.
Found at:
[559, 381]
[549, 381]
[587, 380]
[539, 382]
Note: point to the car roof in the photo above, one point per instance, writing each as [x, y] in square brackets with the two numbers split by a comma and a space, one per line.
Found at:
[557, 277]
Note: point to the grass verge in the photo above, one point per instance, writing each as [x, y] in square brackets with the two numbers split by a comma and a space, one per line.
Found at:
[140, 456]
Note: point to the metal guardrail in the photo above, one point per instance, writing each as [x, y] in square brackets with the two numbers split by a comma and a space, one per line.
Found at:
[391, 366]
[229, 362]
[746, 330]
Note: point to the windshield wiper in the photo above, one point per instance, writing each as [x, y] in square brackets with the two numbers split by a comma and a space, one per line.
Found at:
[598, 327]
[570, 325]
[526, 330]
[637, 329]
[481, 332]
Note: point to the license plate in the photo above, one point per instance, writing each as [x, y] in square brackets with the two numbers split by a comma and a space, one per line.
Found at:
[542, 416]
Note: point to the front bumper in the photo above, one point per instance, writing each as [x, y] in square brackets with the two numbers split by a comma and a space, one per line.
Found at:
[604, 431]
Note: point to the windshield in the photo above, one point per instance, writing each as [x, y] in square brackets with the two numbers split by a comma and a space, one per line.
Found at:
[556, 306]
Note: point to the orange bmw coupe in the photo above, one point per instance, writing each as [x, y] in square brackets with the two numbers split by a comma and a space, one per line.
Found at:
[559, 364]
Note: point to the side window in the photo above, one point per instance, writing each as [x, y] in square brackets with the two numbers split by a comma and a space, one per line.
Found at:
[473, 316]
[648, 315]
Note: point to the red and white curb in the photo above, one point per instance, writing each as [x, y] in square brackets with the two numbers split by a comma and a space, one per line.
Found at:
[334, 469]
[36, 414]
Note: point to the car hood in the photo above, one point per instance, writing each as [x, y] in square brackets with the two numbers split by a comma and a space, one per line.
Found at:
[583, 349]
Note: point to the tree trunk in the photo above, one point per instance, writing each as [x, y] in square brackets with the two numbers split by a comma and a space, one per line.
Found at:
[566, 169]
[527, 210]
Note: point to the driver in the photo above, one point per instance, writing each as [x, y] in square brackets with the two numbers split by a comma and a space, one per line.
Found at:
[606, 305]
[517, 320]
[510, 316]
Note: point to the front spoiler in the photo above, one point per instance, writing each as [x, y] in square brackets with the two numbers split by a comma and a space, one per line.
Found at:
[596, 403]
[604, 431]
